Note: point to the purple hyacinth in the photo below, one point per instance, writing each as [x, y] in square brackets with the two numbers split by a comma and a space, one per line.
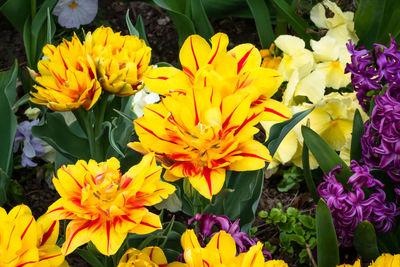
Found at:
[223, 223]
[381, 140]
[372, 70]
[31, 145]
[350, 207]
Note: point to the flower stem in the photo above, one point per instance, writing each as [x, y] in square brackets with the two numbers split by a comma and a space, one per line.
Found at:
[83, 118]
[100, 111]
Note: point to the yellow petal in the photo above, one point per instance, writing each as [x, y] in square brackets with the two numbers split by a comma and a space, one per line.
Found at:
[224, 244]
[247, 56]
[156, 255]
[193, 54]
[149, 223]
[77, 234]
[252, 155]
[106, 238]
[208, 182]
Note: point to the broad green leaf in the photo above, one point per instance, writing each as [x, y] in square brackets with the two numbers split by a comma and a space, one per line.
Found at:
[200, 20]
[365, 241]
[53, 130]
[367, 19]
[307, 174]
[41, 16]
[326, 157]
[225, 8]
[16, 11]
[328, 249]
[8, 126]
[358, 131]
[29, 43]
[260, 12]
[131, 28]
[280, 130]
[4, 181]
[89, 257]
[298, 24]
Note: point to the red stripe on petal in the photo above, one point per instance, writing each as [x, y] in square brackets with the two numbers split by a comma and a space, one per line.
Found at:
[162, 116]
[251, 155]
[194, 54]
[152, 133]
[73, 178]
[152, 174]
[50, 257]
[188, 72]
[243, 60]
[158, 78]
[48, 233]
[197, 120]
[26, 229]
[57, 209]
[216, 51]
[206, 263]
[149, 225]
[108, 228]
[25, 263]
[246, 121]
[74, 234]
[207, 176]
[275, 112]
[226, 122]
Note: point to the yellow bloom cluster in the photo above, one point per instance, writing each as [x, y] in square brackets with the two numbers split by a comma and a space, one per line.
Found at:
[27, 242]
[308, 74]
[220, 251]
[384, 260]
[205, 123]
[104, 205]
[72, 74]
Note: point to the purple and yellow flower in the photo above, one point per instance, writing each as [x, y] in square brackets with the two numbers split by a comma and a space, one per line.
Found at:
[27, 242]
[349, 207]
[67, 77]
[104, 205]
[201, 135]
[121, 60]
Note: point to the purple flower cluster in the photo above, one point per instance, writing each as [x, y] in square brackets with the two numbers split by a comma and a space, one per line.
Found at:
[371, 70]
[223, 223]
[350, 207]
[381, 140]
[31, 145]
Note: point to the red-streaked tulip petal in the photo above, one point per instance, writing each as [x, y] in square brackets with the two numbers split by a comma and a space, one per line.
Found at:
[78, 233]
[209, 182]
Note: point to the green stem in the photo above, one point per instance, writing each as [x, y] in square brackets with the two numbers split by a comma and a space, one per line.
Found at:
[83, 118]
[100, 111]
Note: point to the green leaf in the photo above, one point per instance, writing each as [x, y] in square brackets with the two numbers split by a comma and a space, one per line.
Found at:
[16, 11]
[326, 157]
[132, 30]
[141, 29]
[260, 12]
[365, 241]
[200, 20]
[358, 132]
[298, 24]
[29, 42]
[23, 100]
[225, 8]
[41, 16]
[307, 174]
[89, 257]
[8, 126]
[328, 249]
[280, 130]
[53, 130]
[4, 181]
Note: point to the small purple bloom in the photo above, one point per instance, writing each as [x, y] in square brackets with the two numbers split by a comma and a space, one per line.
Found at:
[350, 207]
[381, 140]
[31, 145]
[205, 231]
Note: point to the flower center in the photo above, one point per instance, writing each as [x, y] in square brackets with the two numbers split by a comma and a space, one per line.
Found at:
[335, 64]
[73, 5]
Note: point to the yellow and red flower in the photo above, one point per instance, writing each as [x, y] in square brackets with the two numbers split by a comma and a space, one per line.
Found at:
[121, 60]
[221, 251]
[67, 77]
[227, 72]
[150, 256]
[27, 242]
[200, 135]
[104, 205]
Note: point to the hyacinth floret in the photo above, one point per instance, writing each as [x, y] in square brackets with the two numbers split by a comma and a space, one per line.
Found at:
[381, 140]
[223, 223]
[349, 207]
[372, 70]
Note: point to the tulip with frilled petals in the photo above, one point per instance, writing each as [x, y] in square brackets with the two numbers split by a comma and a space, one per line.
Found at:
[221, 251]
[104, 205]
[150, 256]
[386, 260]
[200, 135]
[226, 72]
[121, 60]
[356, 264]
[27, 242]
[67, 77]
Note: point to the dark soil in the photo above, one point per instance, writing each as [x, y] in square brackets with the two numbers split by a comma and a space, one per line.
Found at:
[162, 37]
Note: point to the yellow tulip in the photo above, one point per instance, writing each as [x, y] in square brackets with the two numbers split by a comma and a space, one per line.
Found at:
[27, 242]
[221, 251]
[104, 205]
[386, 260]
[121, 60]
[356, 264]
[67, 77]
[227, 72]
[269, 59]
[150, 256]
[200, 135]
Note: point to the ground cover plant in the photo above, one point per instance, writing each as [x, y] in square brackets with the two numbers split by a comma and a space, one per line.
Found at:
[199, 133]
